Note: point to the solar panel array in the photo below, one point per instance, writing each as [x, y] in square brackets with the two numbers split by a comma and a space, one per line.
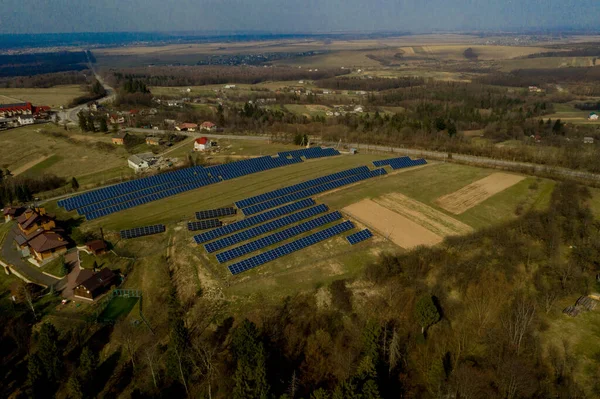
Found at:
[264, 228]
[143, 231]
[251, 210]
[252, 221]
[278, 237]
[204, 224]
[131, 186]
[248, 166]
[289, 248]
[400, 163]
[215, 213]
[144, 200]
[301, 186]
[360, 236]
[310, 153]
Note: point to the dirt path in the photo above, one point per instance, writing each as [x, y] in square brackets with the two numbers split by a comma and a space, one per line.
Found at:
[395, 227]
[426, 216]
[477, 192]
[29, 165]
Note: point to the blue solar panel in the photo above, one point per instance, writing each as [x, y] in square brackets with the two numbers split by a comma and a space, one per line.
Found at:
[251, 210]
[399, 163]
[264, 228]
[107, 200]
[278, 237]
[252, 221]
[360, 236]
[301, 186]
[289, 248]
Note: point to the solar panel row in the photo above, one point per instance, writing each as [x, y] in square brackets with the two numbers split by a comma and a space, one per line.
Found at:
[135, 189]
[196, 172]
[144, 200]
[142, 231]
[251, 210]
[252, 221]
[360, 236]
[248, 166]
[278, 237]
[264, 228]
[287, 249]
[400, 163]
[215, 213]
[301, 186]
[204, 224]
[309, 153]
[138, 194]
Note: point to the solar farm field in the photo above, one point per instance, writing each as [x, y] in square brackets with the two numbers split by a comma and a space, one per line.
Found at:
[300, 253]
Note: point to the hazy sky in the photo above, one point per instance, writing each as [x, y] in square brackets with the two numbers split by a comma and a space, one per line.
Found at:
[39, 16]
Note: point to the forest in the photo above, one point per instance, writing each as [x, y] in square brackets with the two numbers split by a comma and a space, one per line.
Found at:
[461, 319]
[12, 65]
[211, 75]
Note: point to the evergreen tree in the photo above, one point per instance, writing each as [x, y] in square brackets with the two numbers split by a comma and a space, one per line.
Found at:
[74, 184]
[103, 125]
[250, 375]
[49, 353]
[82, 121]
[426, 312]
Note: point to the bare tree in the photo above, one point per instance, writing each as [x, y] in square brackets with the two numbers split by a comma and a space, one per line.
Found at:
[127, 334]
[205, 362]
[517, 322]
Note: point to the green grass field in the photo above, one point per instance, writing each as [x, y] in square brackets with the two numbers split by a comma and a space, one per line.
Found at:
[53, 97]
[567, 113]
[118, 308]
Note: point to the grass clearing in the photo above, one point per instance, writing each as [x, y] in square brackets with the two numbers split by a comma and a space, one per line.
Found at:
[54, 96]
[118, 308]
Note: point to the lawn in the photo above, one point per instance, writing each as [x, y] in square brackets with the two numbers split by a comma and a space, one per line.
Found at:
[53, 97]
[569, 114]
[34, 150]
[118, 308]
[54, 268]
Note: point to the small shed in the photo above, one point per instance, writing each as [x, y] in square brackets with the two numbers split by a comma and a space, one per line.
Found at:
[201, 144]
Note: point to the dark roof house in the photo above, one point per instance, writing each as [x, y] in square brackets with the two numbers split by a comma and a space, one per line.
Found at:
[95, 285]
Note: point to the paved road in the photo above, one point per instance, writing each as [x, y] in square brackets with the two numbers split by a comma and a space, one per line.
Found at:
[31, 272]
[70, 115]
[201, 134]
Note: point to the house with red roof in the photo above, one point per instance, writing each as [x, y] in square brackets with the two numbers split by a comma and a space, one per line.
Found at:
[201, 144]
[187, 127]
[209, 126]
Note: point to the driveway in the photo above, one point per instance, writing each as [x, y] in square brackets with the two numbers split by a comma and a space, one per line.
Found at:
[26, 269]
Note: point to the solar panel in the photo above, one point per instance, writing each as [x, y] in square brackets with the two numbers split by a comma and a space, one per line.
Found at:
[256, 231]
[252, 221]
[143, 231]
[215, 213]
[400, 163]
[204, 225]
[289, 248]
[301, 186]
[309, 192]
[278, 237]
[360, 236]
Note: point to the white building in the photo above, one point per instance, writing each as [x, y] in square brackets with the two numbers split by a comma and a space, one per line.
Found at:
[25, 120]
[593, 116]
[141, 162]
[201, 144]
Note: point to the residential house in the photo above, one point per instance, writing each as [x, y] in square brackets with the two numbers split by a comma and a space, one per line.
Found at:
[229, 86]
[11, 213]
[116, 119]
[33, 219]
[209, 126]
[133, 113]
[96, 247]
[119, 139]
[25, 120]
[588, 140]
[593, 116]
[358, 109]
[187, 127]
[141, 162]
[90, 287]
[152, 140]
[47, 246]
[201, 144]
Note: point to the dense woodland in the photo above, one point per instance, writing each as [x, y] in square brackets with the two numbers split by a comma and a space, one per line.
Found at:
[209, 75]
[462, 319]
[42, 63]
[21, 189]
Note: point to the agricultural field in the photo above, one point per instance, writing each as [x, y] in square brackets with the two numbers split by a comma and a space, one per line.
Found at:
[546, 63]
[567, 113]
[54, 97]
